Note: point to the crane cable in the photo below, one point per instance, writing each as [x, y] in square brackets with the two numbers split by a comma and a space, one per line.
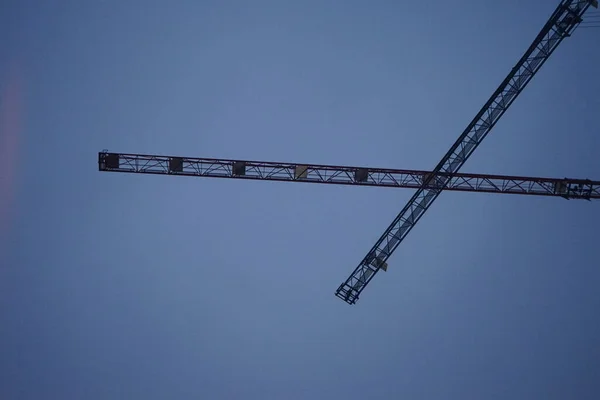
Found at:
[591, 20]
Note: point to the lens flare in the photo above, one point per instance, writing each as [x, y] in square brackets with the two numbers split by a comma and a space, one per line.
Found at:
[11, 96]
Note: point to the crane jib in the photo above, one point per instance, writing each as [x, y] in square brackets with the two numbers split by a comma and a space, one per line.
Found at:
[560, 25]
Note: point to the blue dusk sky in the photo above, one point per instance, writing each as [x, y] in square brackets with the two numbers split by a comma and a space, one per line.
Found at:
[130, 286]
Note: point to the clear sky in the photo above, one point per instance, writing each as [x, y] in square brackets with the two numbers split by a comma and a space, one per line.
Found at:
[121, 286]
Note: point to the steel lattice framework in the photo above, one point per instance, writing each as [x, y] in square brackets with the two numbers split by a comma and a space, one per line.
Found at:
[561, 24]
[345, 175]
[429, 184]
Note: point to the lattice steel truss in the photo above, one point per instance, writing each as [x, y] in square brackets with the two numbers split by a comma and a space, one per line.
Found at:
[561, 24]
[429, 184]
[345, 175]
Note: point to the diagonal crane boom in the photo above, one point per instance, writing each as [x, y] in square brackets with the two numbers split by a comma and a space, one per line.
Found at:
[345, 175]
[561, 24]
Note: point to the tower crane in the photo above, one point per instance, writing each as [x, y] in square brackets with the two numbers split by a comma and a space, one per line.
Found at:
[344, 175]
[429, 184]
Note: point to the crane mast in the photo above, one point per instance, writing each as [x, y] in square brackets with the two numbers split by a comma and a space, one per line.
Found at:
[561, 24]
[345, 175]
